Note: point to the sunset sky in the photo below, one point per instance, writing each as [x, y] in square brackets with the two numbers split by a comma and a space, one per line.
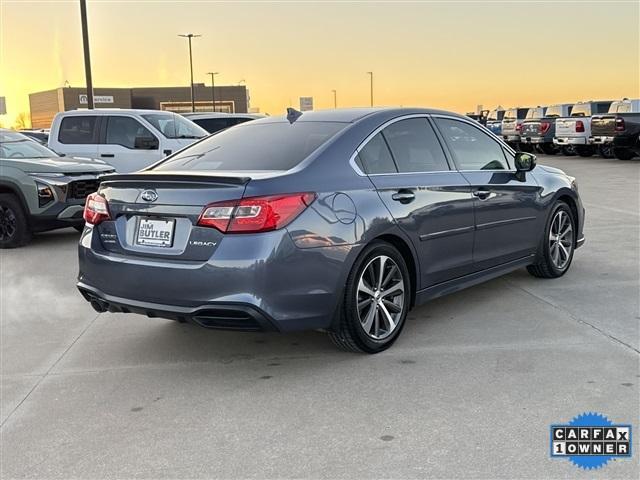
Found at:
[451, 55]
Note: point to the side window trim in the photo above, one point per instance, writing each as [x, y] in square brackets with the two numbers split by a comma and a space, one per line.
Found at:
[503, 146]
[426, 116]
[107, 121]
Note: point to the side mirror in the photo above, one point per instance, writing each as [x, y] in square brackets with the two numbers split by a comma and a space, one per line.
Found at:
[525, 162]
[146, 143]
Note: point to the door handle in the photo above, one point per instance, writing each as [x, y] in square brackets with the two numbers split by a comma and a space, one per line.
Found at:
[481, 194]
[107, 155]
[404, 196]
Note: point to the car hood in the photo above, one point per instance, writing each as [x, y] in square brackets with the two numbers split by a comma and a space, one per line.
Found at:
[58, 165]
[553, 170]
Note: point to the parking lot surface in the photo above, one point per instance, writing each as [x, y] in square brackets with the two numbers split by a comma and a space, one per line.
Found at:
[468, 391]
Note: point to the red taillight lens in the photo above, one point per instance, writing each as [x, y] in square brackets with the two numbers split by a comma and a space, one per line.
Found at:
[255, 214]
[96, 209]
[544, 127]
[518, 127]
[579, 126]
[620, 126]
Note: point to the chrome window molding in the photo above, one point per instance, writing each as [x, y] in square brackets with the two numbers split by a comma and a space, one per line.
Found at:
[427, 116]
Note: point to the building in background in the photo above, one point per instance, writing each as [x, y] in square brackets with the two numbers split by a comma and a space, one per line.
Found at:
[231, 99]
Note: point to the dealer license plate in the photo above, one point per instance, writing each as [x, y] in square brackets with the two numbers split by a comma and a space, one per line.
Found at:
[155, 232]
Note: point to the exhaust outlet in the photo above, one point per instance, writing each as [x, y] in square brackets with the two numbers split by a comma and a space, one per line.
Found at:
[98, 306]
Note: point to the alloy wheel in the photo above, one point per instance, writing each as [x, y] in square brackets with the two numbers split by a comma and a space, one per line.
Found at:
[7, 223]
[381, 297]
[561, 239]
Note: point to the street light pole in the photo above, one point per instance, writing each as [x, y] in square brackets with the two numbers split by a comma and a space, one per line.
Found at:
[190, 36]
[335, 99]
[87, 56]
[371, 87]
[213, 88]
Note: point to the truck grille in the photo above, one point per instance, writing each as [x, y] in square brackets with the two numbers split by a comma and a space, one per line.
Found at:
[79, 189]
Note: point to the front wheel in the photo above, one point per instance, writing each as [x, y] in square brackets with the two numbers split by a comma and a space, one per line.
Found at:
[623, 153]
[558, 244]
[585, 150]
[376, 301]
[14, 228]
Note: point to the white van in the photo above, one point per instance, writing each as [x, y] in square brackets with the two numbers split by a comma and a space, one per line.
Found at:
[129, 140]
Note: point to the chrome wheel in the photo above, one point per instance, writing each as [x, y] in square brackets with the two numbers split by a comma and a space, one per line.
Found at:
[561, 239]
[380, 297]
[7, 223]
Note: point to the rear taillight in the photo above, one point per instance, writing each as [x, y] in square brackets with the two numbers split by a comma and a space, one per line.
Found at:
[579, 126]
[518, 127]
[96, 209]
[544, 127]
[620, 126]
[255, 214]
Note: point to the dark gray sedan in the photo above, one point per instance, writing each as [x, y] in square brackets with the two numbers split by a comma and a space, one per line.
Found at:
[340, 220]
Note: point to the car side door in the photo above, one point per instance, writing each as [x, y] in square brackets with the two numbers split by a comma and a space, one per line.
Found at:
[127, 144]
[431, 202]
[508, 208]
[78, 136]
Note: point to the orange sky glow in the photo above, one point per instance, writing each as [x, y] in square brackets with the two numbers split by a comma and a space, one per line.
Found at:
[453, 55]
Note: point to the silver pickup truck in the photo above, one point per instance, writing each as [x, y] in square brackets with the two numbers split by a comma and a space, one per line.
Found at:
[511, 125]
[576, 129]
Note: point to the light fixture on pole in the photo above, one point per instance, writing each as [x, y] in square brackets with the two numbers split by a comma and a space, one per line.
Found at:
[371, 86]
[190, 36]
[213, 88]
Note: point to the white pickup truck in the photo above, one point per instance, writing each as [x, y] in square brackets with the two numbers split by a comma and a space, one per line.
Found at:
[127, 139]
[576, 129]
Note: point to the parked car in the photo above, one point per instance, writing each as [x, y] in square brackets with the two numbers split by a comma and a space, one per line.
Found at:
[512, 124]
[213, 122]
[39, 190]
[40, 135]
[539, 128]
[576, 129]
[617, 132]
[274, 224]
[130, 140]
[494, 121]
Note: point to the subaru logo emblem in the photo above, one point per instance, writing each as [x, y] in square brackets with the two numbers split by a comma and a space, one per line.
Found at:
[149, 196]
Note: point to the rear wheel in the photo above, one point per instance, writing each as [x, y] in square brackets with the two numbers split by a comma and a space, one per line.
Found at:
[549, 148]
[623, 153]
[556, 250]
[605, 151]
[14, 228]
[585, 150]
[568, 150]
[376, 302]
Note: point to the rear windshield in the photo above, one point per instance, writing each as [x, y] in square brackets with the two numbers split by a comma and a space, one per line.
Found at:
[496, 115]
[555, 111]
[514, 113]
[251, 146]
[535, 112]
[581, 110]
[15, 145]
[620, 107]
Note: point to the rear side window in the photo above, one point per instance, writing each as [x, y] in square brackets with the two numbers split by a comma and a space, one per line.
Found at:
[415, 147]
[124, 131]
[472, 148]
[375, 158]
[255, 146]
[78, 129]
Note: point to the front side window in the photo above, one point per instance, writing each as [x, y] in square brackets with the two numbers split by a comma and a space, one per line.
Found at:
[415, 147]
[76, 129]
[375, 158]
[125, 130]
[472, 148]
[272, 146]
[175, 126]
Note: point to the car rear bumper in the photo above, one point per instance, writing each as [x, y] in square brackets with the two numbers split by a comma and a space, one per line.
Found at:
[570, 140]
[511, 138]
[534, 140]
[263, 278]
[599, 140]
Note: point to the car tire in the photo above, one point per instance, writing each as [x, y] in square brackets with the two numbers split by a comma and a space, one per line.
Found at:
[605, 151]
[559, 236]
[14, 227]
[585, 150]
[568, 150]
[623, 153]
[549, 149]
[363, 324]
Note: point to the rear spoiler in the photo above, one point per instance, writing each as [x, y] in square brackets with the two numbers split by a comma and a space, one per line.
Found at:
[172, 177]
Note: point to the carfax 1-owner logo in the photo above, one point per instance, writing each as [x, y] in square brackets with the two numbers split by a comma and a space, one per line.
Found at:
[590, 440]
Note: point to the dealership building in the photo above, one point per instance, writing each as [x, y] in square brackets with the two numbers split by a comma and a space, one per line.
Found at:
[231, 99]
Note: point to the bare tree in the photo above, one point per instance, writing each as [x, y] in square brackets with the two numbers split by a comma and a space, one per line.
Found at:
[22, 121]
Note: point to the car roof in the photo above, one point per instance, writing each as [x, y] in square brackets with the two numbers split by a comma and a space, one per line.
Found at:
[352, 115]
[197, 115]
[108, 111]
